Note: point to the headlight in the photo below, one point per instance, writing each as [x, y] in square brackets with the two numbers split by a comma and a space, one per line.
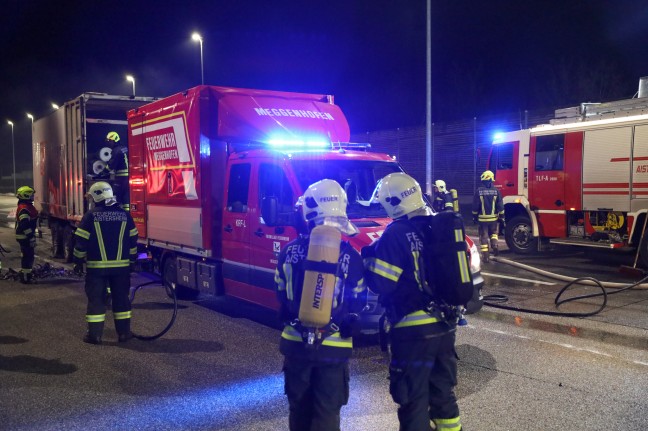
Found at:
[475, 260]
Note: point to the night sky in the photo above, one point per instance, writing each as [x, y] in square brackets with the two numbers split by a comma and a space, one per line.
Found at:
[487, 56]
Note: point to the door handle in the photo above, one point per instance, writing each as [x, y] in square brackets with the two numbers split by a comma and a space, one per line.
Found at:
[510, 184]
[259, 233]
[558, 202]
[228, 228]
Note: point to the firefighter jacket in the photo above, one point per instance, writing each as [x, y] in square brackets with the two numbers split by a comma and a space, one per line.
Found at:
[443, 202]
[392, 271]
[26, 219]
[349, 297]
[487, 204]
[118, 163]
[106, 239]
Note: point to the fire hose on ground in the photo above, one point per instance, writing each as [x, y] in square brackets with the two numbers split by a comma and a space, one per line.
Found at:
[496, 300]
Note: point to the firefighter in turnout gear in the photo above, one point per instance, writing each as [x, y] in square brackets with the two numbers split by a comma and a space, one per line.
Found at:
[488, 211]
[26, 219]
[118, 168]
[421, 329]
[106, 240]
[442, 197]
[317, 376]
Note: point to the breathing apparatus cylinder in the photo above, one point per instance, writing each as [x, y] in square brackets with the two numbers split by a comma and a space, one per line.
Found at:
[319, 277]
[455, 200]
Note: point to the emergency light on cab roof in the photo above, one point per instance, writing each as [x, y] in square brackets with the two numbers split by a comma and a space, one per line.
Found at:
[298, 143]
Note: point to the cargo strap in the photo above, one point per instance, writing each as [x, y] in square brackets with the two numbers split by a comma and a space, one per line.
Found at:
[325, 267]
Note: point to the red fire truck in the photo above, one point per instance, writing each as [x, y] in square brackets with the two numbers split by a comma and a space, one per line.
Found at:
[580, 180]
[215, 173]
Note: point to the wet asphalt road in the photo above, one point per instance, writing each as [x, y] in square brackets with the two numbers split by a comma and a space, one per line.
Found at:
[218, 367]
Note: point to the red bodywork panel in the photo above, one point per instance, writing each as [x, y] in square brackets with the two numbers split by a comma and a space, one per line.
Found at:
[178, 150]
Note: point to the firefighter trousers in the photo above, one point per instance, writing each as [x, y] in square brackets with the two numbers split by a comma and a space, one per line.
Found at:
[95, 289]
[316, 392]
[27, 255]
[422, 377]
[488, 235]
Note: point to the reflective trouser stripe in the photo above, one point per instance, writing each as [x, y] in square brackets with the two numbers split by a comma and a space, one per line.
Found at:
[95, 318]
[452, 424]
[122, 315]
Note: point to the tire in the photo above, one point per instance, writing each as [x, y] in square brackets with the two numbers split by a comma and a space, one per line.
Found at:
[519, 236]
[68, 244]
[57, 240]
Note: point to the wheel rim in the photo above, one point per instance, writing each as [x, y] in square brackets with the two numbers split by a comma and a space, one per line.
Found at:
[521, 235]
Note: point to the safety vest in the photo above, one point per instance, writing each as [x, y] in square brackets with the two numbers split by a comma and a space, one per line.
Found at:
[106, 239]
[26, 219]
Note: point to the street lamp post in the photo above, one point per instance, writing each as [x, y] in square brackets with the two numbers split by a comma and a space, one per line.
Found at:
[131, 79]
[198, 38]
[13, 154]
[55, 106]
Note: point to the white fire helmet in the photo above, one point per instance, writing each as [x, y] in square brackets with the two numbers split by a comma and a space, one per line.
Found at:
[101, 191]
[325, 202]
[399, 194]
[440, 185]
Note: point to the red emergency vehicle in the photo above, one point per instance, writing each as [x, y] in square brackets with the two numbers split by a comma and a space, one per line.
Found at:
[215, 173]
[580, 180]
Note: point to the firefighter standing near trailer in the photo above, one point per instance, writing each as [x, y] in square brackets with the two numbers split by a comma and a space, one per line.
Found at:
[106, 240]
[118, 168]
[488, 212]
[26, 219]
[423, 366]
[443, 200]
[317, 374]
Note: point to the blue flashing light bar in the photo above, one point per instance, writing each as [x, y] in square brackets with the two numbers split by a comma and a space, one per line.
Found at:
[298, 143]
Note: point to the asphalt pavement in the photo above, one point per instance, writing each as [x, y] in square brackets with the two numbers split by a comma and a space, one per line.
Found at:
[219, 369]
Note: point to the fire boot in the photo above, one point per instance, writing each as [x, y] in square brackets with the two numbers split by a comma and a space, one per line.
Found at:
[122, 326]
[25, 277]
[95, 331]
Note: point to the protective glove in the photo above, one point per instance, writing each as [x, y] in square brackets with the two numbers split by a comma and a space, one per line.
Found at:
[475, 219]
[78, 268]
[32, 242]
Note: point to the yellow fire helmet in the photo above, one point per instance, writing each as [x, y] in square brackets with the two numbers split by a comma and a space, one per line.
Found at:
[112, 137]
[25, 192]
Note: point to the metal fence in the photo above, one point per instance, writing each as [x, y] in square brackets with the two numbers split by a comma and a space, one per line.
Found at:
[460, 148]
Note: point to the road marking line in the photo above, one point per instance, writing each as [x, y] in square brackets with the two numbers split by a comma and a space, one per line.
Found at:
[559, 344]
[528, 280]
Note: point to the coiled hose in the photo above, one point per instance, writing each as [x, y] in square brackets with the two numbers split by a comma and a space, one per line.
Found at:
[496, 300]
[172, 294]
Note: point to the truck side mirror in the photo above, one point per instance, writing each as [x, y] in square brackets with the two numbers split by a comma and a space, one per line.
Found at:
[270, 210]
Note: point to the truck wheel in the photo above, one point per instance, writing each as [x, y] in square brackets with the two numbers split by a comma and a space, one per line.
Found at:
[57, 243]
[519, 236]
[68, 244]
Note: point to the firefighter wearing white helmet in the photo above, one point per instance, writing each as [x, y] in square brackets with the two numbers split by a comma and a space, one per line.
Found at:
[443, 200]
[26, 220]
[487, 210]
[421, 329]
[106, 241]
[316, 368]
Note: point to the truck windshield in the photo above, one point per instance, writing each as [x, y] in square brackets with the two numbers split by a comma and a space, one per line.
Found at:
[357, 177]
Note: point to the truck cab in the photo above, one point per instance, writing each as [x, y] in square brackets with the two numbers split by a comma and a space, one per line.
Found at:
[216, 173]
